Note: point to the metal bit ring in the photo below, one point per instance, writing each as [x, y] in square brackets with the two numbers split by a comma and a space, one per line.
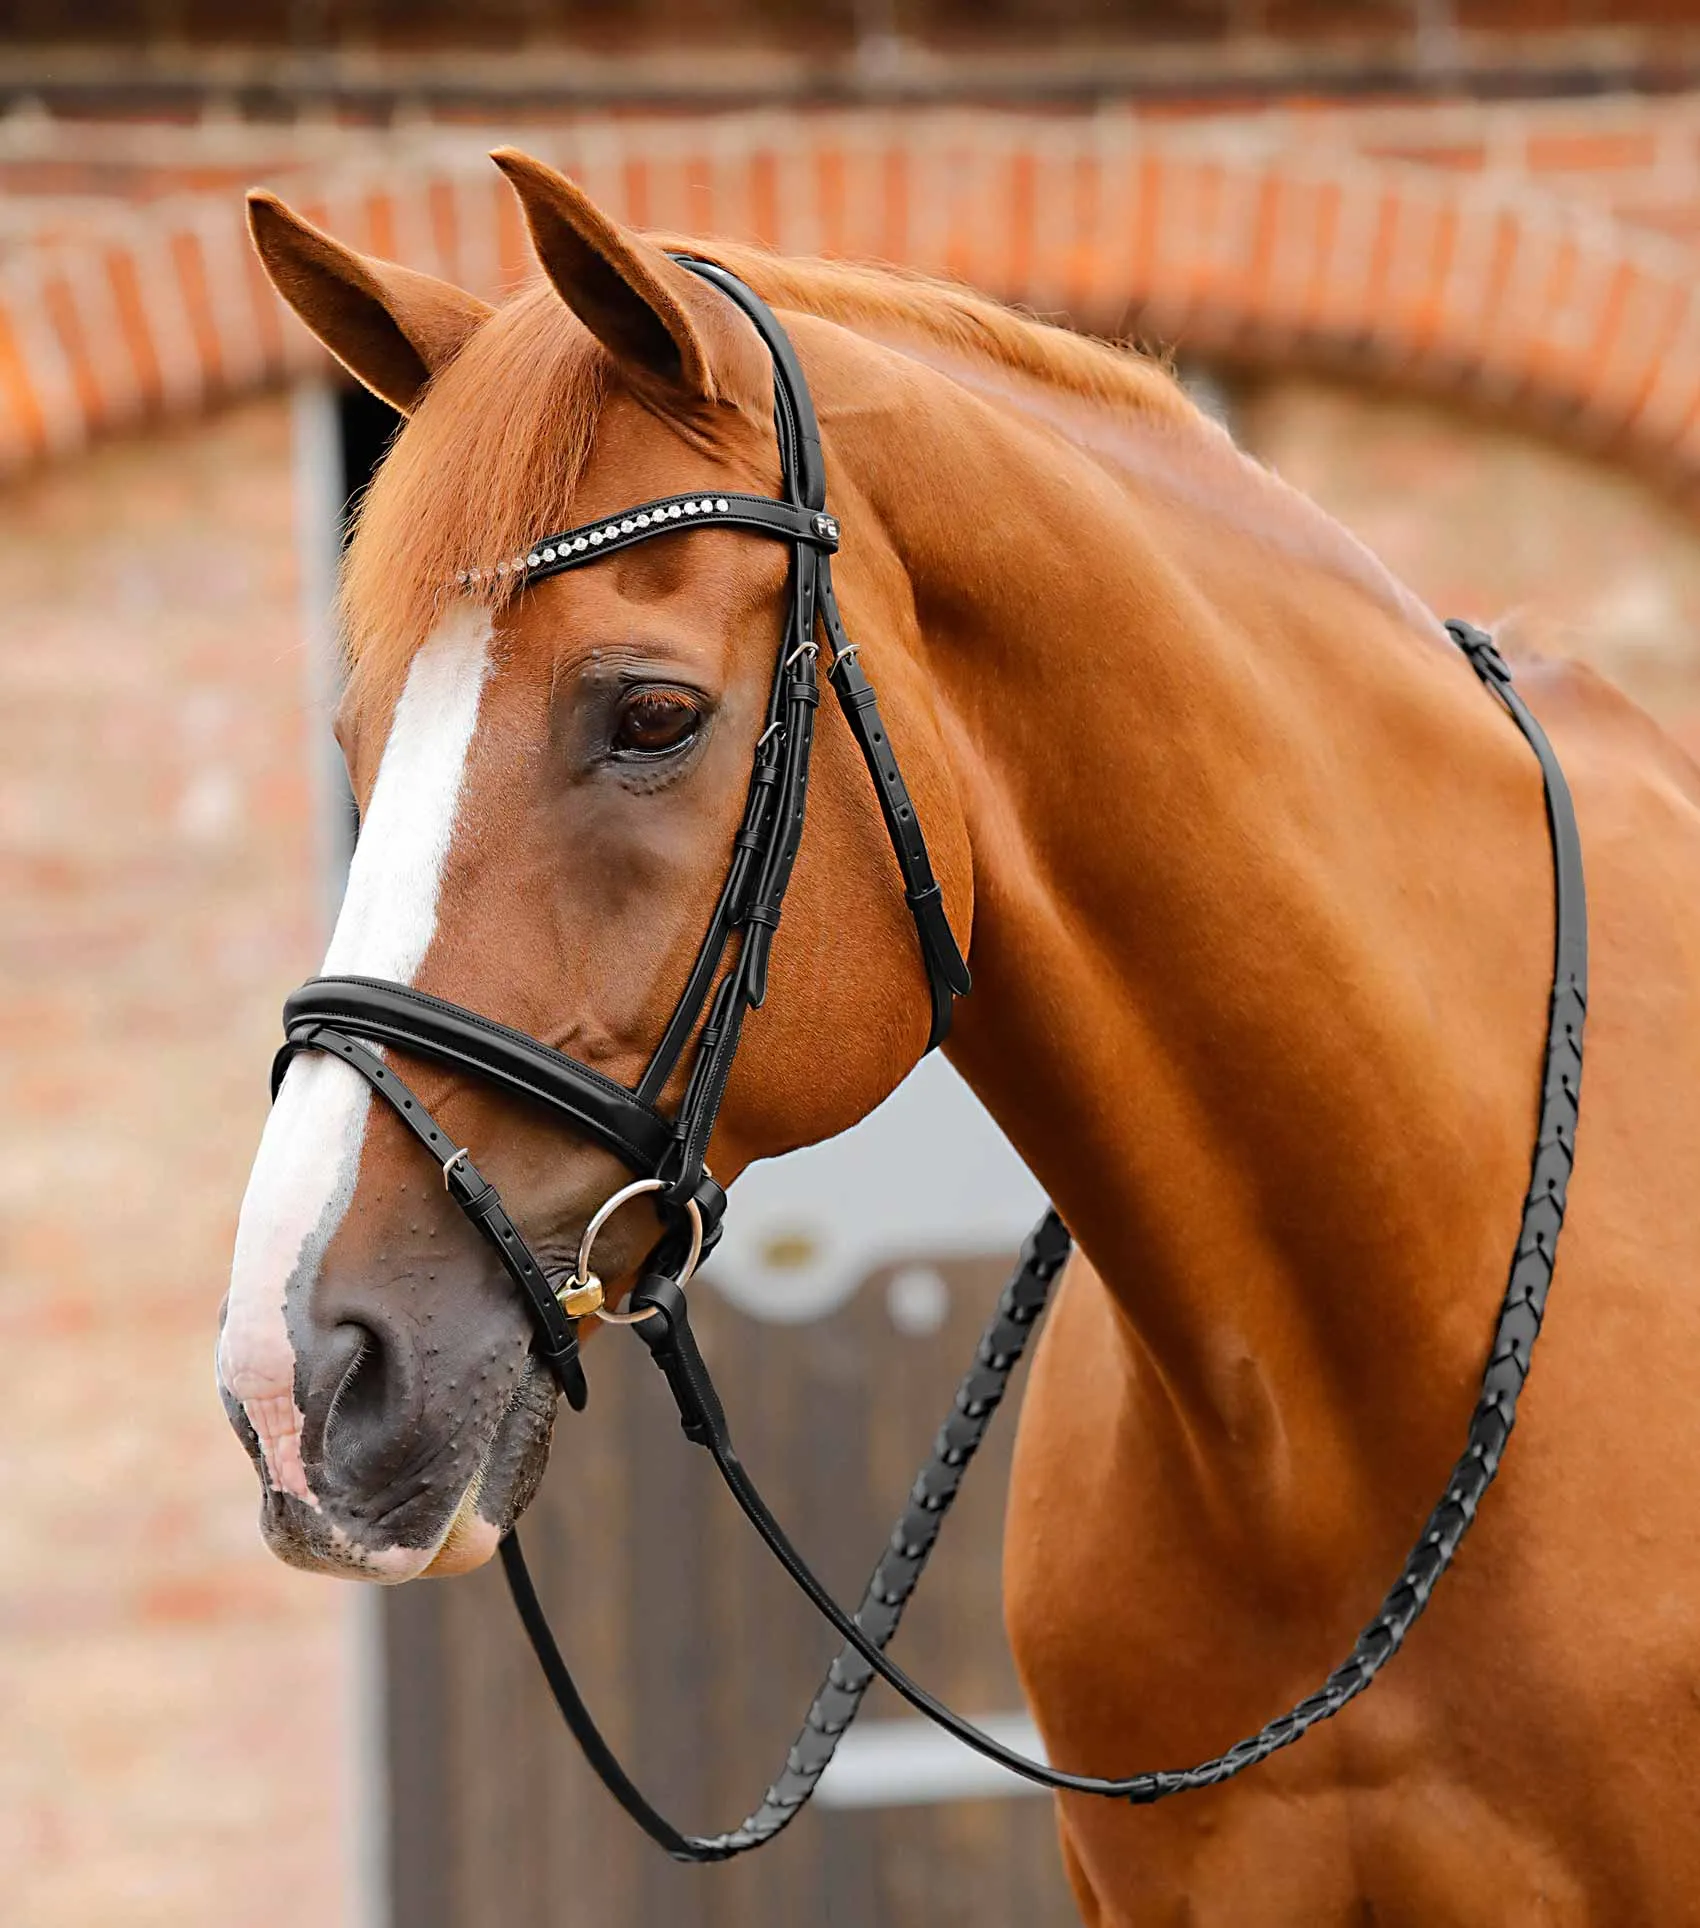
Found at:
[583, 1279]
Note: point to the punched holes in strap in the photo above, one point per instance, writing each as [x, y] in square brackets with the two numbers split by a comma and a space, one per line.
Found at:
[947, 970]
[760, 916]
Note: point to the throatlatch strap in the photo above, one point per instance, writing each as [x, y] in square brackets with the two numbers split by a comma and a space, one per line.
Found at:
[947, 970]
[673, 1346]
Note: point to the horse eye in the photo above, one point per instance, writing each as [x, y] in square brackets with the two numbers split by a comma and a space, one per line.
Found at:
[652, 722]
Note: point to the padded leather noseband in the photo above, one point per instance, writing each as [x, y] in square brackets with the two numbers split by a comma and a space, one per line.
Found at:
[620, 1121]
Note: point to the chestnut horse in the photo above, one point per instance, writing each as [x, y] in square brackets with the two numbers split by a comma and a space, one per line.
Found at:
[1256, 886]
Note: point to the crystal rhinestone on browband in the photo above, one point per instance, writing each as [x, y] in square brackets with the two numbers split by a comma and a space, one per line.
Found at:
[594, 539]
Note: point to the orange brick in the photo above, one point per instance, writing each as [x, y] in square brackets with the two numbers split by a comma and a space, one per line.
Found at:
[764, 219]
[1590, 152]
[440, 213]
[1020, 244]
[1636, 331]
[831, 186]
[379, 209]
[1096, 214]
[1148, 208]
[190, 266]
[60, 311]
[25, 436]
[896, 199]
[634, 179]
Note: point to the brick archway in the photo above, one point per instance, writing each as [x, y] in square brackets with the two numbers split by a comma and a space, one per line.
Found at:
[1255, 252]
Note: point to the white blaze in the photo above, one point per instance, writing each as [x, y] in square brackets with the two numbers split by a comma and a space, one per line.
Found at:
[309, 1156]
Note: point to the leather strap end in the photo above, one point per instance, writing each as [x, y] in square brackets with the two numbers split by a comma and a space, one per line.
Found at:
[758, 940]
[568, 1369]
[944, 954]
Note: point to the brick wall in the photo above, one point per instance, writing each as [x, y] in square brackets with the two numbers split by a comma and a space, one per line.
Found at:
[1537, 260]
[169, 57]
[172, 1746]
[1564, 555]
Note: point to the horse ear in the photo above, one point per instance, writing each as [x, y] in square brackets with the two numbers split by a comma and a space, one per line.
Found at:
[654, 318]
[389, 326]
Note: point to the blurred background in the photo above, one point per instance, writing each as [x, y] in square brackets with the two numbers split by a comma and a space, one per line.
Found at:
[1433, 259]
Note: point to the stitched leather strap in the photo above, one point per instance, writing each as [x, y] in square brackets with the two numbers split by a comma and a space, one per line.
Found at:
[794, 406]
[947, 970]
[616, 1118]
[888, 1591]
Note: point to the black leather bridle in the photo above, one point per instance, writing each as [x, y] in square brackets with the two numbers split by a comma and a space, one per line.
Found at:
[669, 1154]
[346, 1015]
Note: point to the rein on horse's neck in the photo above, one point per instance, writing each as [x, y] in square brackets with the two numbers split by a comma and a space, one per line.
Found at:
[1260, 888]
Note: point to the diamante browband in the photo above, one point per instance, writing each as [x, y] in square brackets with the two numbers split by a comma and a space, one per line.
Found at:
[591, 541]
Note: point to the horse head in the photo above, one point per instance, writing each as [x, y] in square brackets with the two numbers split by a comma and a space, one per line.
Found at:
[550, 784]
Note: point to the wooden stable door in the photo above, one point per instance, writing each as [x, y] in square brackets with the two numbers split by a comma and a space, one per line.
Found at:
[699, 1659]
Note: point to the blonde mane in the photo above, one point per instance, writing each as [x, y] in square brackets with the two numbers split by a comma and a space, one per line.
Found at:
[493, 455]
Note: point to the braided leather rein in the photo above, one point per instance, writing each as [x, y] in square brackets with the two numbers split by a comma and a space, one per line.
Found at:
[338, 1015]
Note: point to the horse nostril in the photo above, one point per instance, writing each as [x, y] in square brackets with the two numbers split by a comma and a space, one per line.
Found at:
[351, 1371]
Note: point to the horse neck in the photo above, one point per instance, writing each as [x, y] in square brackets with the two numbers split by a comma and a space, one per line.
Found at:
[1246, 832]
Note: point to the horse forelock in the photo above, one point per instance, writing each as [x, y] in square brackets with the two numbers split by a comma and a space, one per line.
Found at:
[490, 459]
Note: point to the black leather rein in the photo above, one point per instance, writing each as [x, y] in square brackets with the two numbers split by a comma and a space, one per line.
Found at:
[347, 1016]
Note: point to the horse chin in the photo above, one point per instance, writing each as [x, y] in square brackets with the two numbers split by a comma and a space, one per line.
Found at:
[469, 1542]
[506, 1481]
